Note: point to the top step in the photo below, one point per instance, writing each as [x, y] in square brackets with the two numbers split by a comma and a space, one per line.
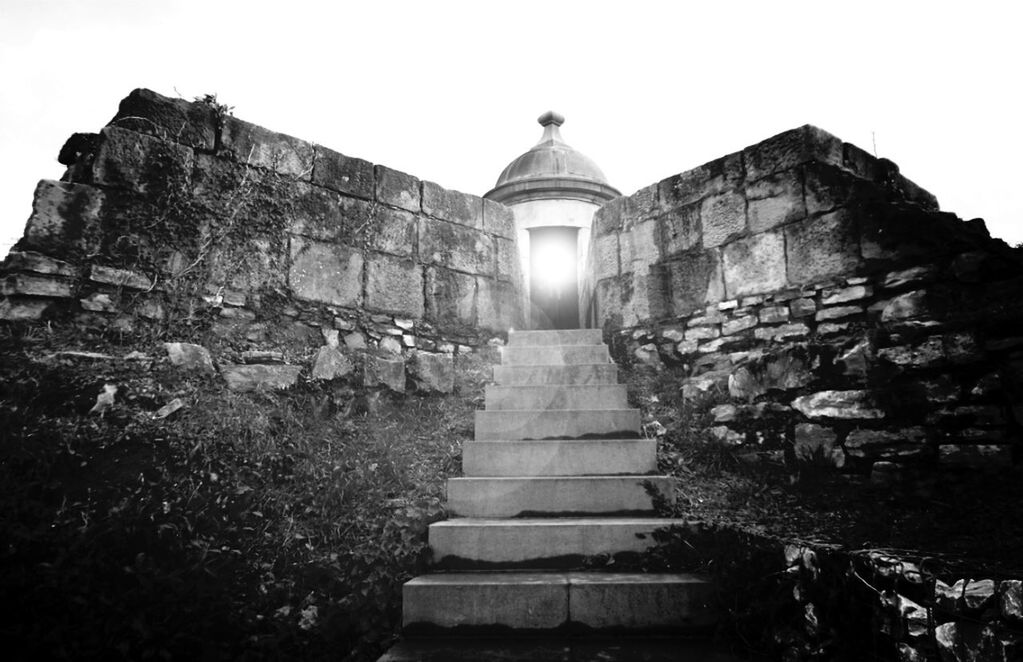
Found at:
[556, 337]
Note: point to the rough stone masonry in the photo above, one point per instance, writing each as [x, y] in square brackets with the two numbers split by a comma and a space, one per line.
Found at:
[178, 216]
[850, 322]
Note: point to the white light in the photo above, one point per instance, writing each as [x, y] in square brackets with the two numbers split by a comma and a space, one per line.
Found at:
[553, 263]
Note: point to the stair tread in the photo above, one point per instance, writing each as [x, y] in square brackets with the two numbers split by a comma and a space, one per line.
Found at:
[559, 521]
[617, 477]
[516, 577]
[562, 649]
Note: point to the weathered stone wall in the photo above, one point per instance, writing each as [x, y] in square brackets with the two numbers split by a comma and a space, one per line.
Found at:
[179, 217]
[849, 321]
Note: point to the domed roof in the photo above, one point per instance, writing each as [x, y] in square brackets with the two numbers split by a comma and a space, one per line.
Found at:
[552, 170]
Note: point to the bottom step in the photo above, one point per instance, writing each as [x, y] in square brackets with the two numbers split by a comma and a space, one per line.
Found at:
[559, 600]
[619, 649]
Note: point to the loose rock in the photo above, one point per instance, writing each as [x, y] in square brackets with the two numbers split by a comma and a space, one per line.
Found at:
[252, 377]
[331, 364]
[190, 357]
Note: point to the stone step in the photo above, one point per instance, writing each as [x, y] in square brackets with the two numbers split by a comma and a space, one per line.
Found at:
[557, 424]
[469, 544]
[551, 601]
[567, 457]
[554, 355]
[585, 396]
[618, 648]
[556, 337]
[552, 375]
[550, 496]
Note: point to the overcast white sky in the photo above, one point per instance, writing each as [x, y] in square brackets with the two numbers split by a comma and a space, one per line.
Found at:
[449, 91]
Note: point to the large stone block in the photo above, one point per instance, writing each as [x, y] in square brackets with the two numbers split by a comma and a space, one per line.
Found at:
[326, 273]
[696, 280]
[641, 245]
[608, 295]
[680, 230]
[709, 179]
[262, 148]
[792, 148]
[65, 219]
[722, 217]
[397, 188]
[450, 298]
[604, 256]
[455, 247]
[822, 247]
[498, 305]
[609, 218]
[341, 173]
[328, 216]
[508, 266]
[641, 204]
[498, 219]
[217, 181]
[177, 120]
[394, 285]
[644, 295]
[453, 206]
[829, 187]
[259, 261]
[141, 163]
[392, 231]
[754, 265]
[775, 200]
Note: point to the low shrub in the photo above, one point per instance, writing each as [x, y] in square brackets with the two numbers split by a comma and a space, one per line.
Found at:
[244, 526]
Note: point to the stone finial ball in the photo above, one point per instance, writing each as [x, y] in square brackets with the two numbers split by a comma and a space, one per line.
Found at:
[551, 117]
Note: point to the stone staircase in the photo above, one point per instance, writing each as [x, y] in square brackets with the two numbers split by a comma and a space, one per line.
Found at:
[555, 475]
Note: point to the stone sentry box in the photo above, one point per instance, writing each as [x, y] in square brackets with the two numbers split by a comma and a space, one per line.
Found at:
[844, 318]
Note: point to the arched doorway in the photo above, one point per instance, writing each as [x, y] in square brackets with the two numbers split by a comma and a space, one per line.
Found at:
[553, 277]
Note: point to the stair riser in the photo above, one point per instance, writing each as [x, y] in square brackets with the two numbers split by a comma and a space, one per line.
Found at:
[561, 601]
[609, 396]
[537, 544]
[534, 606]
[565, 337]
[606, 605]
[606, 373]
[548, 497]
[554, 355]
[571, 424]
[559, 458]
